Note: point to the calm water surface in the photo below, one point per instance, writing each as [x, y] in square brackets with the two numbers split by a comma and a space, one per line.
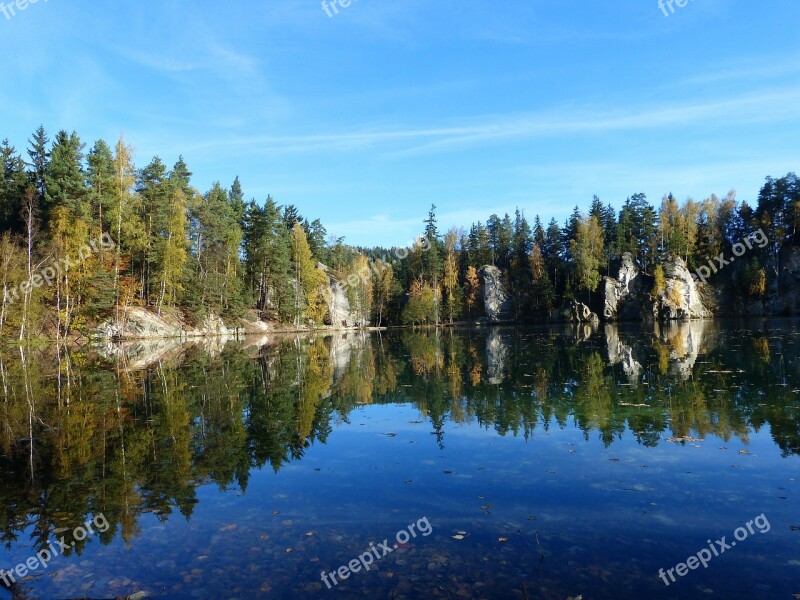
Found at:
[548, 463]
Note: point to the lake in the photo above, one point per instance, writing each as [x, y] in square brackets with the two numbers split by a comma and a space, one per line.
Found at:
[604, 461]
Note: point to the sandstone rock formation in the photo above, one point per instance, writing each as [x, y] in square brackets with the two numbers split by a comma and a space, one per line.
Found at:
[618, 293]
[681, 299]
[496, 301]
[340, 313]
[629, 296]
[578, 312]
[141, 324]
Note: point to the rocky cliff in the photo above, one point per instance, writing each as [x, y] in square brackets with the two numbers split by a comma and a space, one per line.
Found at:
[340, 313]
[630, 295]
[141, 324]
[496, 300]
[137, 323]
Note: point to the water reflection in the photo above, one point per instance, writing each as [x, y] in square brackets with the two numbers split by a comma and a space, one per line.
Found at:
[136, 430]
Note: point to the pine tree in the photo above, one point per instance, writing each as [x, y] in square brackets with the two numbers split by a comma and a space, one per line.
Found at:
[236, 200]
[291, 216]
[316, 233]
[39, 157]
[554, 253]
[520, 274]
[218, 237]
[100, 176]
[156, 191]
[268, 265]
[432, 258]
[65, 179]
[13, 182]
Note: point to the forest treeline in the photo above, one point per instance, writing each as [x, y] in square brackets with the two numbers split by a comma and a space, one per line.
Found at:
[190, 253]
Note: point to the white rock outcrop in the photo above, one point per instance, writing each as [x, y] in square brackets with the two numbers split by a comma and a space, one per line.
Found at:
[496, 301]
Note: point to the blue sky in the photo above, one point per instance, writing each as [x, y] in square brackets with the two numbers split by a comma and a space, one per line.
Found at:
[366, 118]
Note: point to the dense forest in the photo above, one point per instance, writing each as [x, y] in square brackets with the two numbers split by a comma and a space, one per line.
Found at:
[85, 235]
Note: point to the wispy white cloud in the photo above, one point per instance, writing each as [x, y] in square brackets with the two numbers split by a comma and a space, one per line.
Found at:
[768, 106]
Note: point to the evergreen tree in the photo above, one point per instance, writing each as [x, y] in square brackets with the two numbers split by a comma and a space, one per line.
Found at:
[520, 272]
[13, 182]
[542, 292]
[100, 177]
[291, 216]
[236, 200]
[39, 157]
[156, 192]
[554, 253]
[65, 180]
[432, 258]
[316, 234]
[267, 250]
